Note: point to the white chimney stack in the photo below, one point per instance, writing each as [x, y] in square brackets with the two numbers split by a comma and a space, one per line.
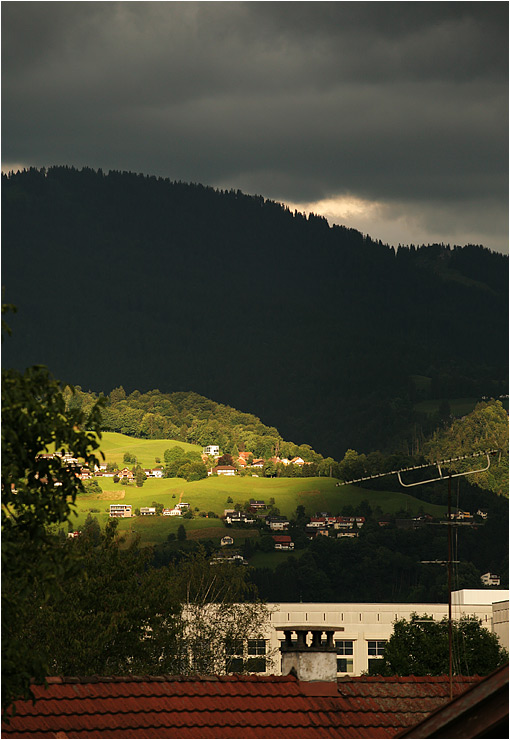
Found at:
[309, 661]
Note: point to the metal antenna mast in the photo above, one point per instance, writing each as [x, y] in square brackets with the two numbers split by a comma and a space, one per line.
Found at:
[437, 464]
[433, 480]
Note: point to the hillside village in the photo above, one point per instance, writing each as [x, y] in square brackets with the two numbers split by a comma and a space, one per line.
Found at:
[257, 513]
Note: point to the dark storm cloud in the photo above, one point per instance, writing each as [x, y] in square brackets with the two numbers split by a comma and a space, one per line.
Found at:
[401, 103]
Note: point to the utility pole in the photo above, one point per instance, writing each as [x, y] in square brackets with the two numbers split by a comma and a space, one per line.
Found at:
[433, 480]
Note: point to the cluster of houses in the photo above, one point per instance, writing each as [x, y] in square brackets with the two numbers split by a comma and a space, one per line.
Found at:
[125, 510]
[102, 472]
[337, 526]
[244, 461]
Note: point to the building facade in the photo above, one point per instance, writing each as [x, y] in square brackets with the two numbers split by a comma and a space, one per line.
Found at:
[364, 629]
[120, 510]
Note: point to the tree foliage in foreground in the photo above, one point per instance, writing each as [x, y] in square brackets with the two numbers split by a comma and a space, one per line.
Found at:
[419, 647]
[37, 494]
[90, 605]
[119, 616]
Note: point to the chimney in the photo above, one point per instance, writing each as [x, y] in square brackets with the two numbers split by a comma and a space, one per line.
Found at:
[313, 660]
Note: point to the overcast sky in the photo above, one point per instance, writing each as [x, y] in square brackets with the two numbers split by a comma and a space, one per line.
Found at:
[391, 118]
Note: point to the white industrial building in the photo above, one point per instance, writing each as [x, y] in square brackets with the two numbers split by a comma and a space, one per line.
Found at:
[361, 630]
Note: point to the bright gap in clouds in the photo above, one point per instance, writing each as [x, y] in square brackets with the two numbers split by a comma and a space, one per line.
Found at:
[377, 219]
[410, 223]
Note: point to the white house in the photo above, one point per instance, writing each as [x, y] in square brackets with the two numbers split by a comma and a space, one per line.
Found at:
[212, 450]
[277, 522]
[148, 511]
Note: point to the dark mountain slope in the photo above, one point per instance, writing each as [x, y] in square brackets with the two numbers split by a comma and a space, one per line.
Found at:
[133, 280]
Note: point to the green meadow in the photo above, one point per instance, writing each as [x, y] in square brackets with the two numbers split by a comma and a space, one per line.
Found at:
[114, 445]
[211, 494]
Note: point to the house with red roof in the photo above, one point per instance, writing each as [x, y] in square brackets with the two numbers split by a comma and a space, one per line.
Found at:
[283, 542]
[245, 456]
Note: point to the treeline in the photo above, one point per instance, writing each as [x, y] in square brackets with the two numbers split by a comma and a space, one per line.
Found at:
[189, 417]
[320, 330]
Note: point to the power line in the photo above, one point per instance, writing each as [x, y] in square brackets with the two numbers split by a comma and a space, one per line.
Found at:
[450, 560]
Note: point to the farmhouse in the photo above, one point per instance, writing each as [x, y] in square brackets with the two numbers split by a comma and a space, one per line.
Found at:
[212, 450]
[126, 473]
[153, 472]
[297, 461]
[256, 504]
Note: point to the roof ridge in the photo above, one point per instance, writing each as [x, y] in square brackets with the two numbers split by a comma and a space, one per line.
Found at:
[234, 677]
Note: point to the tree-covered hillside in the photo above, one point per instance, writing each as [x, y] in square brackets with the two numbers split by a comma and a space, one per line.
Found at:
[188, 417]
[122, 278]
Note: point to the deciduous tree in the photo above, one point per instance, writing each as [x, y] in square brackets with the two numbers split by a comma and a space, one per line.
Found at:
[38, 493]
[419, 647]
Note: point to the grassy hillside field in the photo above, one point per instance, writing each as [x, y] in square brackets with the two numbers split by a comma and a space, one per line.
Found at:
[113, 447]
[315, 494]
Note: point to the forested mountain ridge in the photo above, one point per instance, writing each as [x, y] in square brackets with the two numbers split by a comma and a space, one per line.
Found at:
[121, 278]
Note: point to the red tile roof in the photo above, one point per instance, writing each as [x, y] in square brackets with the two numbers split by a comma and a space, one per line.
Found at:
[481, 711]
[227, 707]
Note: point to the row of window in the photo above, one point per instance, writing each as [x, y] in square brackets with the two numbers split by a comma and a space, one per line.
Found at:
[346, 647]
[254, 659]
[255, 662]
